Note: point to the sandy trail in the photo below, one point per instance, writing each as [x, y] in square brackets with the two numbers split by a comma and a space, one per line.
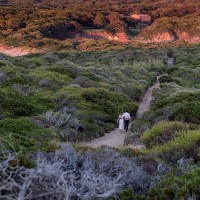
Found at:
[112, 139]
[116, 139]
[146, 100]
[15, 51]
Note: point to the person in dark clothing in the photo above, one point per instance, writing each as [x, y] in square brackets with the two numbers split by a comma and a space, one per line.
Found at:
[126, 116]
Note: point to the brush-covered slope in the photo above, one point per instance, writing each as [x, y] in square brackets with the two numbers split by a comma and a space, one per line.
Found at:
[68, 24]
[45, 98]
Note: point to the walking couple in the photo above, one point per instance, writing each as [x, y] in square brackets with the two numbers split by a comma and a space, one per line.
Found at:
[123, 120]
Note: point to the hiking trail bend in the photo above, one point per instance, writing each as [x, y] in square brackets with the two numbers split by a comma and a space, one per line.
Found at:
[116, 139]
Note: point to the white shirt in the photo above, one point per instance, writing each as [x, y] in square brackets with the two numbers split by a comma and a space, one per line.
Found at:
[126, 116]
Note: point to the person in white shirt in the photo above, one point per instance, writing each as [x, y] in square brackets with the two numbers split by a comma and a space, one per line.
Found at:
[126, 116]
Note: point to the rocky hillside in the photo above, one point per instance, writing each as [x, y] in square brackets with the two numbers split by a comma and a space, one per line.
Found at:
[172, 29]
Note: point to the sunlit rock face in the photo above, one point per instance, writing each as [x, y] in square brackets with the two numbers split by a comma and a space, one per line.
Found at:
[169, 37]
[186, 37]
[121, 36]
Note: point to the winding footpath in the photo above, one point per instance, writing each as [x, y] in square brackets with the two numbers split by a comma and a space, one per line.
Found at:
[116, 139]
[145, 104]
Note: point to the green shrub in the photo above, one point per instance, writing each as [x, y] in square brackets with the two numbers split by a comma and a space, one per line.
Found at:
[127, 194]
[19, 105]
[190, 112]
[92, 130]
[183, 187]
[168, 79]
[46, 74]
[133, 91]
[165, 131]
[108, 102]
[184, 146]
[28, 63]
[90, 76]
[23, 133]
[85, 82]
[108, 127]
[140, 125]
[63, 70]
[71, 135]
[19, 79]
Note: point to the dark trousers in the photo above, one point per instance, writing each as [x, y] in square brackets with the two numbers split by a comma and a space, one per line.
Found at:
[126, 123]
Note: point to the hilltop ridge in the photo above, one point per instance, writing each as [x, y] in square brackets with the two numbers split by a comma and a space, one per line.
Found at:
[78, 25]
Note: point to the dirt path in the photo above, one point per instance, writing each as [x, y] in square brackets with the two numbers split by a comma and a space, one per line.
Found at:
[15, 51]
[146, 99]
[116, 139]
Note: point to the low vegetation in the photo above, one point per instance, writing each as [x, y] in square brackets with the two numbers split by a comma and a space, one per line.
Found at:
[178, 96]
[49, 99]
[170, 130]
[166, 131]
[70, 96]
[185, 186]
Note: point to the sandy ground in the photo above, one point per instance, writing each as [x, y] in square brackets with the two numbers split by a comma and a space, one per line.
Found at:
[116, 139]
[146, 100]
[15, 51]
[112, 139]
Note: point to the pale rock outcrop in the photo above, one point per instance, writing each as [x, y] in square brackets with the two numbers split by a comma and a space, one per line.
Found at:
[121, 36]
[169, 37]
[161, 37]
[182, 35]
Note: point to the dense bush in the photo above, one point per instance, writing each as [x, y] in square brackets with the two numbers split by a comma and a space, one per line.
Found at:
[184, 146]
[173, 187]
[109, 102]
[183, 187]
[18, 105]
[52, 86]
[92, 129]
[166, 131]
[168, 79]
[22, 133]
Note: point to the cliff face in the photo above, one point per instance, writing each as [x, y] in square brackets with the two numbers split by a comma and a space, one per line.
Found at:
[162, 37]
[170, 37]
[172, 29]
[120, 37]
[187, 37]
[145, 36]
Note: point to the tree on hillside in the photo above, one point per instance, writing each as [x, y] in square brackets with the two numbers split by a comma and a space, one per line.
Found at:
[115, 23]
[100, 20]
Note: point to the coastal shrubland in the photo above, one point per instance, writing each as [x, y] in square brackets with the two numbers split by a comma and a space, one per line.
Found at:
[177, 99]
[77, 96]
[170, 130]
[173, 140]
[50, 99]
